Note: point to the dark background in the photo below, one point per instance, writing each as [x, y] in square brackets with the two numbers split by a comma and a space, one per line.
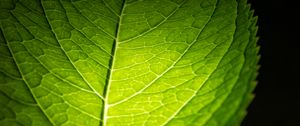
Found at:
[277, 101]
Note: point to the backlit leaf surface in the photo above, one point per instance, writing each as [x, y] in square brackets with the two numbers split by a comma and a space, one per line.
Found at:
[126, 62]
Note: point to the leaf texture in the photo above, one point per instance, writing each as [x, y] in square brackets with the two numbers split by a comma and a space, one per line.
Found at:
[126, 62]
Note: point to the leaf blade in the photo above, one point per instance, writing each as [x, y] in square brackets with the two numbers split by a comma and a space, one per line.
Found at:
[151, 62]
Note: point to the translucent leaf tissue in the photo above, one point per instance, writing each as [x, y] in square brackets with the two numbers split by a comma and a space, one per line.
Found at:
[126, 62]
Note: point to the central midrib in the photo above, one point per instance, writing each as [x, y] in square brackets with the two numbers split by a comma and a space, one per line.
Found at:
[111, 66]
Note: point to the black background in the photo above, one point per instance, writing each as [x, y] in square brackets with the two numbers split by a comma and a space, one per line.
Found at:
[277, 101]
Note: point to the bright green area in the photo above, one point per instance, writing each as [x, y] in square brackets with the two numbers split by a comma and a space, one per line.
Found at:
[126, 62]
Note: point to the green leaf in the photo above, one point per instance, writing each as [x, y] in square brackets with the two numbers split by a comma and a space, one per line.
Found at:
[126, 62]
